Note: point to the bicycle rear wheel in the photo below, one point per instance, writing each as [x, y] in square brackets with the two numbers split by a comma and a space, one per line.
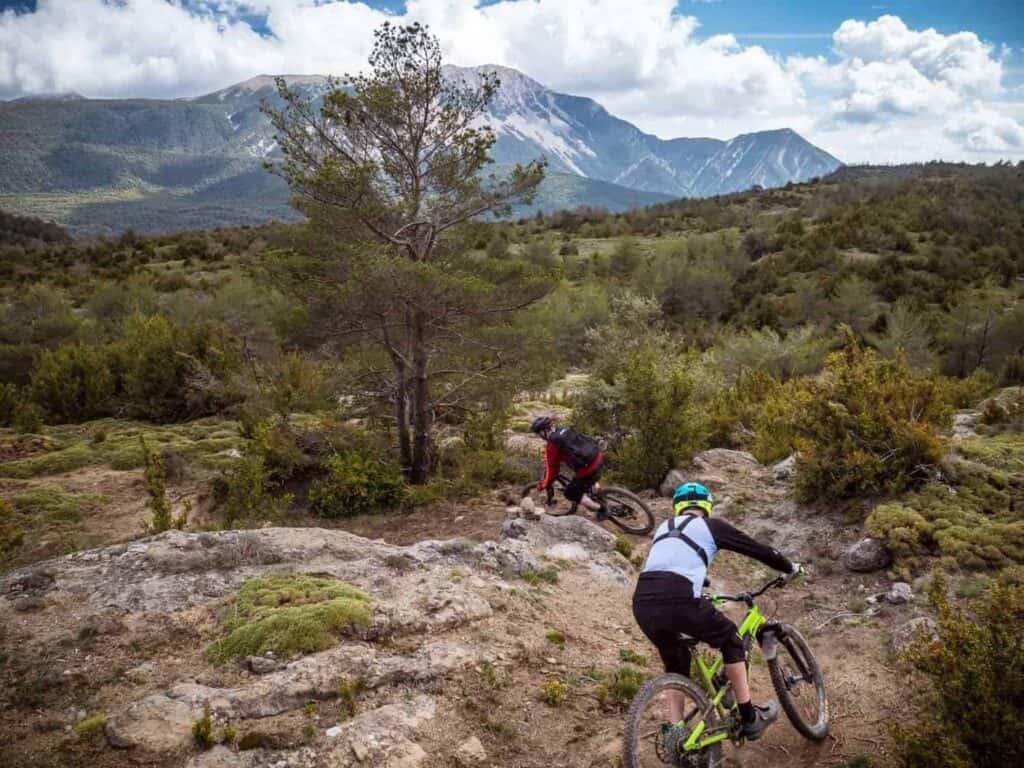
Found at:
[651, 741]
[627, 511]
[797, 679]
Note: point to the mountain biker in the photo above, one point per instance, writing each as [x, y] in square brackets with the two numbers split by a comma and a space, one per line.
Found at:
[668, 602]
[581, 452]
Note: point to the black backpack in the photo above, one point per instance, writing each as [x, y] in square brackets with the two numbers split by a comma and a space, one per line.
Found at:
[582, 450]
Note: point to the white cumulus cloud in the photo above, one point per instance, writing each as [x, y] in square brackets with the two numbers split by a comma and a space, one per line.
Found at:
[886, 92]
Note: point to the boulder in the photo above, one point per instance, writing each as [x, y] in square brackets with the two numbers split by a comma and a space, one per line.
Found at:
[899, 593]
[672, 480]
[384, 737]
[156, 723]
[907, 633]
[867, 555]
[471, 753]
[965, 425]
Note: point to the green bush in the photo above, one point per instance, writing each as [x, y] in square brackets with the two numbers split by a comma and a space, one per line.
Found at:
[620, 686]
[554, 692]
[645, 413]
[356, 483]
[91, 725]
[246, 492]
[868, 426]
[75, 382]
[202, 731]
[969, 714]
[289, 614]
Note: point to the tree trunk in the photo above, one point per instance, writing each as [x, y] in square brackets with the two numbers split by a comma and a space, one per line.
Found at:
[421, 415]
[402, 421]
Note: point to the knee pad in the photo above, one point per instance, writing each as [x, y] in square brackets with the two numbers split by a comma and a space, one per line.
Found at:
[732, 650]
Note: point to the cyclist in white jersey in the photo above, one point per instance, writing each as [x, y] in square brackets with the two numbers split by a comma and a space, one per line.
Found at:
[668, 598]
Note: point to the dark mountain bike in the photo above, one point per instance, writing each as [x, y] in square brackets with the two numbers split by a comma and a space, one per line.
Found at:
[710, 714]
[622, 508]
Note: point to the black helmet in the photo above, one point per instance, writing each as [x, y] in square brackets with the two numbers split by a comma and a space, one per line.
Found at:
[540, 423]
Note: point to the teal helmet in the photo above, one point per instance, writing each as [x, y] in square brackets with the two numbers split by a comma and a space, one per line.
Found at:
[690, 495]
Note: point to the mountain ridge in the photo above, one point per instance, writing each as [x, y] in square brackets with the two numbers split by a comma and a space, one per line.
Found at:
[105, 165]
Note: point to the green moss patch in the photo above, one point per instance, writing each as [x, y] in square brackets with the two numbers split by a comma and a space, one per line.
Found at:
[290, 614]
[115, 443]
[976, 521]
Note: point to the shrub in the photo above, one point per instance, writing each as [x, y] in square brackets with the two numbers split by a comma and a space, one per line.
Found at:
[91, 725]
[245, 492]
[536, 578]
[160, 509]
[868, 426]
[555, 637]
[289, 614]
[276, 445]
[623, 546]
[632, 657]
[969, 713]
[202, 731]
[646, 416]
[620, 686]
[554, 692]
[75, 382]
[356, 483]
[348, 695]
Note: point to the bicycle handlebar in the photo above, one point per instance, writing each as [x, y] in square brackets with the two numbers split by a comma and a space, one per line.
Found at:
[748, 597]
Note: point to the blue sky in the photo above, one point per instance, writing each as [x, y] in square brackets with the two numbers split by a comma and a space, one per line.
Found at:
[866, 80]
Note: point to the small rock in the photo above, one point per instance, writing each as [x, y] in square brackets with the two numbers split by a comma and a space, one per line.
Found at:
[867, 555]
[333, 732]
[784, 469]
[27, 604]
[899, 593]
[513, 529]
[672, 480]
[260, 665]
[905, 634]
[142, 673]
[471, 752]
[529, 509]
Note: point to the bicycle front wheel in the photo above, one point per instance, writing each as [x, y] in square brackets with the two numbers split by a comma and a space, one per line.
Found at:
[797, 679]
[540, 499]
[652, 740]
[628, 511]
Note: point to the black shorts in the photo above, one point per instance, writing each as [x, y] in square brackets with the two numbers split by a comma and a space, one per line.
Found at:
[576, 487]
[664, 608]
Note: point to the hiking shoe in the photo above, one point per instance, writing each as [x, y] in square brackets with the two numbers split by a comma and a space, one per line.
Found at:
[763, 717]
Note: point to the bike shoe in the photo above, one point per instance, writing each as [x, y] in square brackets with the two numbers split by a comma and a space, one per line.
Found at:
[763, 717]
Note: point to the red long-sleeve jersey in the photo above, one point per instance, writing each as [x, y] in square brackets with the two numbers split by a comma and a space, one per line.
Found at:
[554, 457]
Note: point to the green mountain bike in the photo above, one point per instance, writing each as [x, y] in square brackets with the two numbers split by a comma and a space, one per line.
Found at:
[710, 713]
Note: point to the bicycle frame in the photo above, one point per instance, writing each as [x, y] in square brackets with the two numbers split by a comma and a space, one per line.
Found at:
[749, 628]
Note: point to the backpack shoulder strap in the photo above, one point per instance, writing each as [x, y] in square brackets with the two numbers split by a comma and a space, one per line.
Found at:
[677, 533]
